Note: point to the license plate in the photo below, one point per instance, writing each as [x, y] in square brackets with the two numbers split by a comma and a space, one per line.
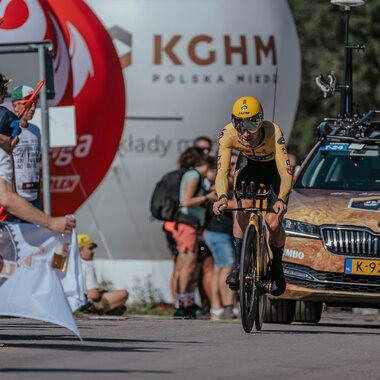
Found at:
[362, 266]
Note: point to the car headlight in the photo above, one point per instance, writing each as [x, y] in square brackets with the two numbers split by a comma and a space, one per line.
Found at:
[296, 228]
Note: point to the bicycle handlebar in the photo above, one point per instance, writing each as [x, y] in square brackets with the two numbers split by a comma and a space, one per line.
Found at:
[244, 194]
[249, 209]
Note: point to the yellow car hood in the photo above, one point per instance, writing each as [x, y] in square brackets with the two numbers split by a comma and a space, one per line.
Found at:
[335, 207]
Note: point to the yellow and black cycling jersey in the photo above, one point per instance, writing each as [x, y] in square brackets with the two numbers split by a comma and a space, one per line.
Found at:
[267, 162]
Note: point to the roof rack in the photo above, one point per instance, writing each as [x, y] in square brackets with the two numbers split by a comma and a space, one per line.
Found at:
[357, 128]
[348, 126]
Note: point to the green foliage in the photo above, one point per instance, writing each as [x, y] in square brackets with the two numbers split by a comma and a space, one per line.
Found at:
[148, 300]
[320, 27]
[145, 295]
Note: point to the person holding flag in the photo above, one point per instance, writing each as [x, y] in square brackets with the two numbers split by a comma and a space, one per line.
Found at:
[27, 153]
[12, 202]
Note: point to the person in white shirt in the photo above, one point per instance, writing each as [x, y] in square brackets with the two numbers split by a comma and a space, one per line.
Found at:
[108, 302]
[27, 153]
[10, 201]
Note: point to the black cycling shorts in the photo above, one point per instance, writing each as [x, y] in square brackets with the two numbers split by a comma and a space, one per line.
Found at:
[263, 174]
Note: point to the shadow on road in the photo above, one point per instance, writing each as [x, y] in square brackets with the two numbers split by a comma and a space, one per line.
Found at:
[317, 329]
[81, 370]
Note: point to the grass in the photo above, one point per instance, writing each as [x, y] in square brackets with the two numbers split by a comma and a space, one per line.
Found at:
[160, 309]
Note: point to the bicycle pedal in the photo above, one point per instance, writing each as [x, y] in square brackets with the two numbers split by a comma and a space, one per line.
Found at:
[263, 287]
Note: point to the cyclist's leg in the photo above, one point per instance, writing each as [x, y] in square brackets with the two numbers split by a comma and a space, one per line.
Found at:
[276, 242]
[240, 221]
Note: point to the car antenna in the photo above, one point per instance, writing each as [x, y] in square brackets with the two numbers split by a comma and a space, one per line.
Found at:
[275, 94]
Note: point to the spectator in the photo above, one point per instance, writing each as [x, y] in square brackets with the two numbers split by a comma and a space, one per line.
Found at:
[9, 199]
[205, 260]
[293, 162]
[24, 169]
[108, 302]
[204, 143]
[27, 153]
[219, 238]
[191, 219]
[168, 228]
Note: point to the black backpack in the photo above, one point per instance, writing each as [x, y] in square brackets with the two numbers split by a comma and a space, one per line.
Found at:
[164, 204]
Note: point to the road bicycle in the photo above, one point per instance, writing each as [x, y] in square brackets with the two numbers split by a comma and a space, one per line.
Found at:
[256, 258]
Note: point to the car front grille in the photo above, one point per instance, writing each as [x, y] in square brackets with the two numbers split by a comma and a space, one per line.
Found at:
[312, 279]
[351, 241]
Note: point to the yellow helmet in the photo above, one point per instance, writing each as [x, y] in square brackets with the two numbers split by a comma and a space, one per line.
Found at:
[247, 114]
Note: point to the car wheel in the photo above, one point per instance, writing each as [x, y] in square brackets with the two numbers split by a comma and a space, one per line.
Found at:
[307, 311]
[279, 311]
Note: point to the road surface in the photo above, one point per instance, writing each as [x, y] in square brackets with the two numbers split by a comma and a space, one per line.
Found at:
[341, 346]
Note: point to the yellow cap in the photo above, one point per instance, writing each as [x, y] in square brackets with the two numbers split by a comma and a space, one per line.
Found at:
[84, 240]
[247, 107]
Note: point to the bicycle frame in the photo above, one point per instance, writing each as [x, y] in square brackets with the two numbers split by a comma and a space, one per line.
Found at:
[254, 278]
[265, 255]
[257, 220]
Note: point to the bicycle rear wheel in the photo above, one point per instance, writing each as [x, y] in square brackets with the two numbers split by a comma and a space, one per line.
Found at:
[248, 290]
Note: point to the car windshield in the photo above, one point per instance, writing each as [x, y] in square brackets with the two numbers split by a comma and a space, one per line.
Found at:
[339, 166]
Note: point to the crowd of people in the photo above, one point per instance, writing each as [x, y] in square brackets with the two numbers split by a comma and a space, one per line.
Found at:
[195, 239]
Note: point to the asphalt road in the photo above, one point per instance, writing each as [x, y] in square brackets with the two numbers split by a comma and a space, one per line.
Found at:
[341, 346]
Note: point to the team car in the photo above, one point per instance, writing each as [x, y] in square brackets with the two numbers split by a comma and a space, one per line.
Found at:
[332, 250]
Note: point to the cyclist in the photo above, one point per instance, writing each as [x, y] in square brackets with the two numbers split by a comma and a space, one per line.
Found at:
[263, 158]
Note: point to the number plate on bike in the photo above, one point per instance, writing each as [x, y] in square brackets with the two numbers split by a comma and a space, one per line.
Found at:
[362, 266]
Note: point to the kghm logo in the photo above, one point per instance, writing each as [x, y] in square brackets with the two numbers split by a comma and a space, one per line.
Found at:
[244, 106]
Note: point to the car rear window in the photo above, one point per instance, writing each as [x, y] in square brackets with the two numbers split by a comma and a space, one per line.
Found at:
[339, 166]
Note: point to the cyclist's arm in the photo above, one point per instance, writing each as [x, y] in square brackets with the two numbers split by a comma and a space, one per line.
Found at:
[223, 168]
[283, 166]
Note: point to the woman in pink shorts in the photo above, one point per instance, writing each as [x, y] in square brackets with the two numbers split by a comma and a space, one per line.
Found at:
[191, 218]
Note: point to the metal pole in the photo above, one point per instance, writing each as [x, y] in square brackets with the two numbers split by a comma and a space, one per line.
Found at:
[349, 74]
[347, 91]
[45, 133]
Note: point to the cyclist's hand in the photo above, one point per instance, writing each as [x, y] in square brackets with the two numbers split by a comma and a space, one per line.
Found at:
[280, 208]
[220, 205]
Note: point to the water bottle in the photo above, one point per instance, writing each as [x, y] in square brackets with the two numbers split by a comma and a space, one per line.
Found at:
[61, 251]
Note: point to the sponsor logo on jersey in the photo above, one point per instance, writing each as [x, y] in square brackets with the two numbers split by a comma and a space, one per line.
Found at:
[266, 157]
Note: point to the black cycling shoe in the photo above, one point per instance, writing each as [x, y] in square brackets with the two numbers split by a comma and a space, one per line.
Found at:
[232, 279]
[278, 279]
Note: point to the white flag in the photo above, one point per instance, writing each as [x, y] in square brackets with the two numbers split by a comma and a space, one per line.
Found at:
[72, 278]
[29, 286]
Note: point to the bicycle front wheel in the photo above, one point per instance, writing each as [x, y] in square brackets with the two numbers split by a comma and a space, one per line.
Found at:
[248, 290]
